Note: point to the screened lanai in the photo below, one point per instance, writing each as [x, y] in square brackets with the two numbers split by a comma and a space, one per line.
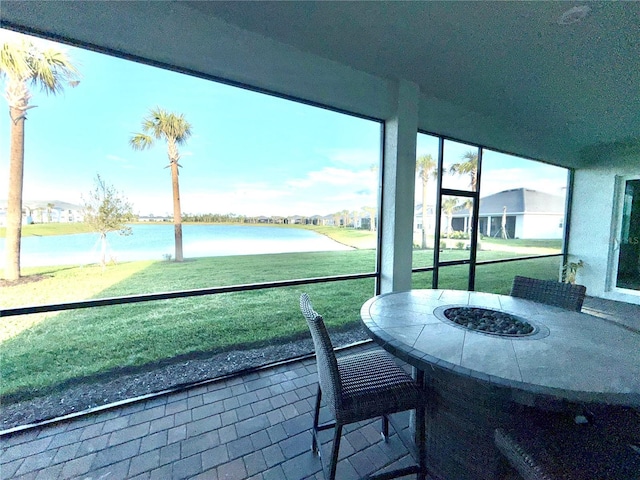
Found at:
[546, 81]
[551, 83]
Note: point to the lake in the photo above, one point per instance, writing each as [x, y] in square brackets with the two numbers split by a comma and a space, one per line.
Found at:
[154, 242]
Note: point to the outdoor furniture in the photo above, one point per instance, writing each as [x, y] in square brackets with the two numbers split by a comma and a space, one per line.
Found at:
[564, 295]
[360, 387]
[561, 449]
[480, 381]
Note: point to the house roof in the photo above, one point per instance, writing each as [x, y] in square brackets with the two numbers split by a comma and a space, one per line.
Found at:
[520, 201]
[520, 77]
[44, 204]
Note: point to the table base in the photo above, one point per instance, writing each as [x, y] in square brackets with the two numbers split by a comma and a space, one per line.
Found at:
[460, 424]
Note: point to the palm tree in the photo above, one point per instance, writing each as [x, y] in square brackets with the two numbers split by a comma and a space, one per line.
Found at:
[426, 167]
[448, 207]
[345, 218]
[175, 130]
[25, 64]
[49, 208]
[372, 211]
[469, 166]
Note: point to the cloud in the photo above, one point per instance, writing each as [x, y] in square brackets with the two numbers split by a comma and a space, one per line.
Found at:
[534, 178]
[320, 192]
[355, 157]
[334, 176]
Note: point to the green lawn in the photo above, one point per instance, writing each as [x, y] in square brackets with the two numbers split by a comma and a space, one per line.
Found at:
[46, 229]
[41, 352]
[523, 242]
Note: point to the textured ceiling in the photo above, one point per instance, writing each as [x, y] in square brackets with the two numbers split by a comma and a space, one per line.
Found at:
[573, 88]
[577, 85]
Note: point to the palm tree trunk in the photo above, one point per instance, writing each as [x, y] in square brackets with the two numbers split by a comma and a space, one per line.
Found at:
[177, 214]
[103, 250]
[424, 214]
[14, 200]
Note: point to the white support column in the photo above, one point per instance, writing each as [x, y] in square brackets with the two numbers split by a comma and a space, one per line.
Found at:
[398, 190]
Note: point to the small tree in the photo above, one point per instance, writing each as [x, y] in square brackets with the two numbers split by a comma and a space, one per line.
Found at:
[106, 211]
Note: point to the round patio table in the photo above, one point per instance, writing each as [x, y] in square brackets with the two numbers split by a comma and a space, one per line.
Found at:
[481, 381]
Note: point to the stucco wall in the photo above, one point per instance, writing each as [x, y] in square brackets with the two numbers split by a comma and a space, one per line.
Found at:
[542, 226]
[593, 226]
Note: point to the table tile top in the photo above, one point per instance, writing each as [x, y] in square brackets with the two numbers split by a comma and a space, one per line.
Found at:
[576, 356]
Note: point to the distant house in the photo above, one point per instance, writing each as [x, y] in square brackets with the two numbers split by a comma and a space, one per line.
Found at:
[316, 220]
[526, 214]
[155, 218]
[328, 220]
[417, 221]
[45, 211]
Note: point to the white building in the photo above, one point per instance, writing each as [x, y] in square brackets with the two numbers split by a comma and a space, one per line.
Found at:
[525, 213]
[45, 211]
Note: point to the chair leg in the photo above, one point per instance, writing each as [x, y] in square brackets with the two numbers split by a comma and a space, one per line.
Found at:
[316, 419]
[334, 453]
[385, 428]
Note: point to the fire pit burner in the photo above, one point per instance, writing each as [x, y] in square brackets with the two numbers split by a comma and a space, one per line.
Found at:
[489, 321]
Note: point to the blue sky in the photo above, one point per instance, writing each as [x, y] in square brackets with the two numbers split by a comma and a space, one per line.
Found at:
[250, 153]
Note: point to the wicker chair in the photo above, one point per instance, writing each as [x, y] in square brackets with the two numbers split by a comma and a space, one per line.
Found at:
[360, 387]
[564, 295]
[564, 450]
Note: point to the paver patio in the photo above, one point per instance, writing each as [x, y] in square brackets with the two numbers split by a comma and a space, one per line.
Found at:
[251, 426]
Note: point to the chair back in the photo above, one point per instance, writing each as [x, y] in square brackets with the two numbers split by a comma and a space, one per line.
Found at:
[558, 294]
[328, 374]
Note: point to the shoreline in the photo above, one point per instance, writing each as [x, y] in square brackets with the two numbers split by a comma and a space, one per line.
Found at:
[155, 242]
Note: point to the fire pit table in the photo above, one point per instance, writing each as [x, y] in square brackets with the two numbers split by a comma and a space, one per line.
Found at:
[487, 357]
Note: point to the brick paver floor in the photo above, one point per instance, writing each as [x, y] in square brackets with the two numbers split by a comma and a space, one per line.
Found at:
[253, 426]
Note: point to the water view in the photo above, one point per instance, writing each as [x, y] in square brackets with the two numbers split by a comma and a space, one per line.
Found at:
[156, 242]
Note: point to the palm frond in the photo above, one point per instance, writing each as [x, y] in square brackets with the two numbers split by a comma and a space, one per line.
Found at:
[425, 166]
[160, 124]
[140, 141]
[14, 60]
[50, 69]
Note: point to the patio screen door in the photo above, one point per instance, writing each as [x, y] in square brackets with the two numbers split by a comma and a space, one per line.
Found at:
[457, 209]
[628, 242]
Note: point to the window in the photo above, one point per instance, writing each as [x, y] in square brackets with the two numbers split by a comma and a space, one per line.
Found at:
[521, 214]
[270, 191]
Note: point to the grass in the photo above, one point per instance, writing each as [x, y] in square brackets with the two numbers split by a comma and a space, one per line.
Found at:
[525, 242]
[46, 229]
[43, 352]
[83, 343]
